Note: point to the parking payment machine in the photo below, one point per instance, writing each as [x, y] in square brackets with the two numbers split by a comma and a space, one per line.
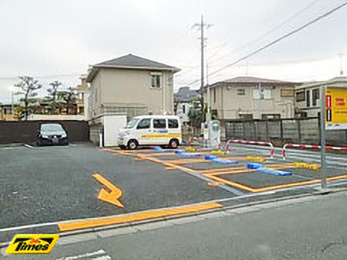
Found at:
[214, 131]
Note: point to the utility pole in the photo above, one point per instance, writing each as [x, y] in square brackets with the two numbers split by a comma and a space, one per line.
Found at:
[208, 114]
[201, 26]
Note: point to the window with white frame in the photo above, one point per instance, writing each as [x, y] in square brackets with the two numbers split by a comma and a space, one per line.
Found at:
[262, 94]
[156, 80]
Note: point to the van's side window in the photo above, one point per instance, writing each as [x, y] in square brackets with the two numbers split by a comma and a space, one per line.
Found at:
[144, 124]
[159, 123]
[173, 123]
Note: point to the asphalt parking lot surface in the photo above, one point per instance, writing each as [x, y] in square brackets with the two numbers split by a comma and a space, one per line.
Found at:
[56, 183]
[48, 184]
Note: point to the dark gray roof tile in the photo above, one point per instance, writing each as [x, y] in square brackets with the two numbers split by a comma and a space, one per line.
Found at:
[135, 62]
[185, 94]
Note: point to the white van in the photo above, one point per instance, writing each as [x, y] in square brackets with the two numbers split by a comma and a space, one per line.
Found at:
[151, 130]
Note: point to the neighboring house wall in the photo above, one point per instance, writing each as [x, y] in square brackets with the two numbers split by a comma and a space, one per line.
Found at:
[183, 111]
[95, 94]
[132, 88]
[129, 88]
[234, 101]
[87, 101]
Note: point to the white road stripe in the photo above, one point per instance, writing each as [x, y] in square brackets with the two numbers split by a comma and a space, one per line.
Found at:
[28, 146]
[10, 147]
[106, 257]
[99, 252]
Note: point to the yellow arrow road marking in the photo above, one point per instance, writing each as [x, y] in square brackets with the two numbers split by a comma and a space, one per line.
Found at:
[110, 197]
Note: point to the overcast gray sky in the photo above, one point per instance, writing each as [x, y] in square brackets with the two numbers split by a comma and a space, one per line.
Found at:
[57, 40]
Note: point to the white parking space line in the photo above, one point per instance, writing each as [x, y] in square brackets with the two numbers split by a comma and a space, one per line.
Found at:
[10, 148]
[28, 146]
[106, 257]
[88, 255]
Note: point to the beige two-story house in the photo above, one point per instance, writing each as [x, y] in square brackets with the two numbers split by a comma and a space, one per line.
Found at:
[131, 85]
[127, 86]
[252, 98]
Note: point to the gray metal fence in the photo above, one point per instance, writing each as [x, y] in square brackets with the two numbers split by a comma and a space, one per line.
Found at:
[281, 131]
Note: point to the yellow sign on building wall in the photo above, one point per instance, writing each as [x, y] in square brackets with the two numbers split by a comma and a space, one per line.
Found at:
[336, 108]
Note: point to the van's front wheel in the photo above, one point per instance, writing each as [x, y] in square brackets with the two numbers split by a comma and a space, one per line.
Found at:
[173, 143]
[132, 144]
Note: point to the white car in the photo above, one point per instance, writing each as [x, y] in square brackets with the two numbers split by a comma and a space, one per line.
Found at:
[151, 130]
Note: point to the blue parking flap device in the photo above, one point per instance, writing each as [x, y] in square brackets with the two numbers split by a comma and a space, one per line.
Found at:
[218, 160]
[193, 155]
[159, 149]
[210, 157]
[254, 165]
[180, 152]
[274, 172]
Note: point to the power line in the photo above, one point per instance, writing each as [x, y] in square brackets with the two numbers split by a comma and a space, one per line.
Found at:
[286, 21]
[278, 39]
[220, 48]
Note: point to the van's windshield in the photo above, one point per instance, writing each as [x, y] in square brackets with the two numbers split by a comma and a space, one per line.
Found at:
[132, 123]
